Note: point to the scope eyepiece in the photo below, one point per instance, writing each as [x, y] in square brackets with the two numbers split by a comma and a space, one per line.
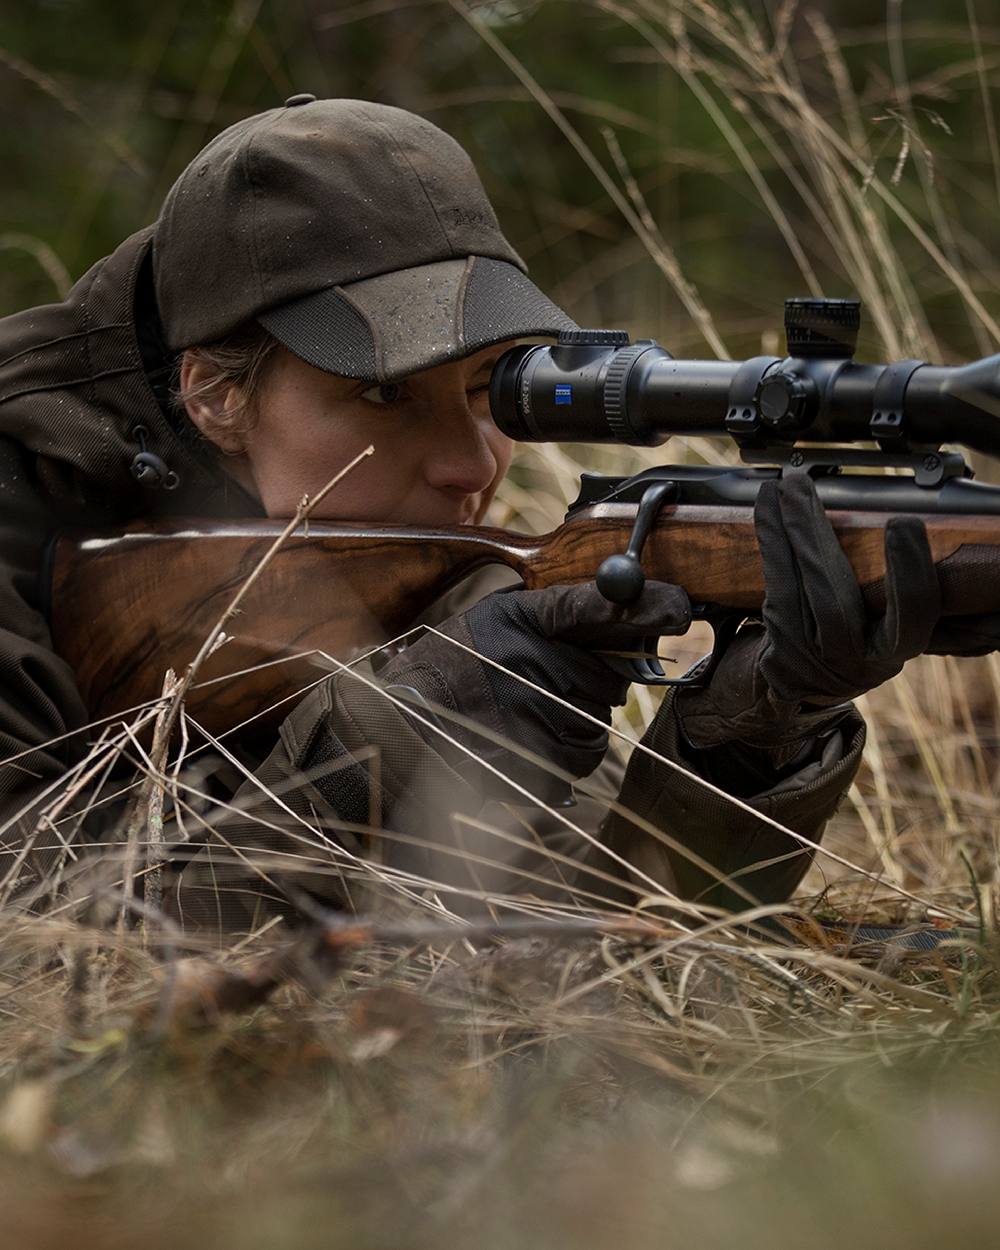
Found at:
[577, 391]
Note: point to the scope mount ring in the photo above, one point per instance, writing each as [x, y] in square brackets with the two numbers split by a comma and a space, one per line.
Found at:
[888, 420]
[742, 418]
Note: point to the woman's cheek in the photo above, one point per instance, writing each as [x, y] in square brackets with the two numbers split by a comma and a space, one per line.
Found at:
[508, 454]
[503, 452]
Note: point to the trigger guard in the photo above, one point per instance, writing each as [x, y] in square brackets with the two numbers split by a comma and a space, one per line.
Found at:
[645, 671]
[649, 672]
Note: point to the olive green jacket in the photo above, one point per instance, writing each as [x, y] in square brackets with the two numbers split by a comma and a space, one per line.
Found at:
[352, 798]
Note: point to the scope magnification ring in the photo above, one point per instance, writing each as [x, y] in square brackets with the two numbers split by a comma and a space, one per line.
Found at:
[615, 410]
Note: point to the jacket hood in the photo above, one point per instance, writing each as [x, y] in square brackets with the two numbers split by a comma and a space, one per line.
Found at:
[84, 385]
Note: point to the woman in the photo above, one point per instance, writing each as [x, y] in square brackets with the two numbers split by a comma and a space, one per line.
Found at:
[330, 274]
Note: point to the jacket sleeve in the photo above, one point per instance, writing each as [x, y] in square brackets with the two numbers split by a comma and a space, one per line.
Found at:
[692, 823]
[39, 701]
[350, 779]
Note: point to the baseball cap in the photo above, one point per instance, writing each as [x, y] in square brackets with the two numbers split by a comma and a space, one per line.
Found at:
[358, 234]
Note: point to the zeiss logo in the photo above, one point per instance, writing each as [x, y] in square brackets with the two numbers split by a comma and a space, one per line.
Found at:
[564, 394]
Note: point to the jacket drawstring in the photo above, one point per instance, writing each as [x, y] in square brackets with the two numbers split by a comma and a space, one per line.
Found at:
[148, 468]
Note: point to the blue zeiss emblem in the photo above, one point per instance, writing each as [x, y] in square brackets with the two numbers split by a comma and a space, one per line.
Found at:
[564, 393]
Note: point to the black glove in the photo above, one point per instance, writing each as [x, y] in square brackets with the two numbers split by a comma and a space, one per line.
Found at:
[966, 635]
[818, 646]
[548, 637]
[969, 579]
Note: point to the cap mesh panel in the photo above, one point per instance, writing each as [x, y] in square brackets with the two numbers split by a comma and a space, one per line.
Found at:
[503, 303]
[325, 330]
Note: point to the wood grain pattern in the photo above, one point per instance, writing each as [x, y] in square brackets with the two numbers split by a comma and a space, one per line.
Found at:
[128, 605]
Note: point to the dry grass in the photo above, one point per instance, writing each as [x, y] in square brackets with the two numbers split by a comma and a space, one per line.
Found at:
[707, 1082]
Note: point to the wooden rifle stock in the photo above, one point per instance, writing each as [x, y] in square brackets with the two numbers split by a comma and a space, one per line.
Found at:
[127, 605]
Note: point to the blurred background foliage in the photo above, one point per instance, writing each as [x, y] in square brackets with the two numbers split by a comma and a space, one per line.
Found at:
[104, 102]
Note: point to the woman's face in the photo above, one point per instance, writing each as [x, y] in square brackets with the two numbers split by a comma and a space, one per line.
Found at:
[438, 456]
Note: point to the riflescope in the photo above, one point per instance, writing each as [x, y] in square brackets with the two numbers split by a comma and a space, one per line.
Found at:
[595, 386]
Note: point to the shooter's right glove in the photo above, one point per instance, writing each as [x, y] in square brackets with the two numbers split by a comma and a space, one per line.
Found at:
[547, 638]
[353, 760]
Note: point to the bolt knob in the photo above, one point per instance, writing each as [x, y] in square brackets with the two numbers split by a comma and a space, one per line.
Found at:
[822, 327]
[620, 579]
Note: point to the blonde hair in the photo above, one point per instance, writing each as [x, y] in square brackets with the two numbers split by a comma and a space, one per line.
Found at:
[239, 361]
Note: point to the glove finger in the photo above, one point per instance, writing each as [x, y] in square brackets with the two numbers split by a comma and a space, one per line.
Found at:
[661, 609]
[912, 593]
[577, 754]
[965, 635]
[581, 615]
[788, 658]
[784, 608]
[827, 580]
[576, 674]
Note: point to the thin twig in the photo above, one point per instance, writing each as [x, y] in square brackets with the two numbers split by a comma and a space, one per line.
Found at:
[174, 697]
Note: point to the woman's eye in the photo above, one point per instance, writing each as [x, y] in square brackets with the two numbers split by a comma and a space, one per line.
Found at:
[384, 393]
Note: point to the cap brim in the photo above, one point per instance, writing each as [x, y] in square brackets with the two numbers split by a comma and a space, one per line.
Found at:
[381, 329]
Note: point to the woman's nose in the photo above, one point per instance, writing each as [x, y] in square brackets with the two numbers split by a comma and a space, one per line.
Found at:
[461, 458]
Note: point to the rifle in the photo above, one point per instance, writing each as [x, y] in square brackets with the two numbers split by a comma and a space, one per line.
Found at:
[127, 605]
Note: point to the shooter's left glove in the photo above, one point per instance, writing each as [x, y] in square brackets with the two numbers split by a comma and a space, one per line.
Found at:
[966, 635]
[775, 725]
[969, 580]
[818, 646]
